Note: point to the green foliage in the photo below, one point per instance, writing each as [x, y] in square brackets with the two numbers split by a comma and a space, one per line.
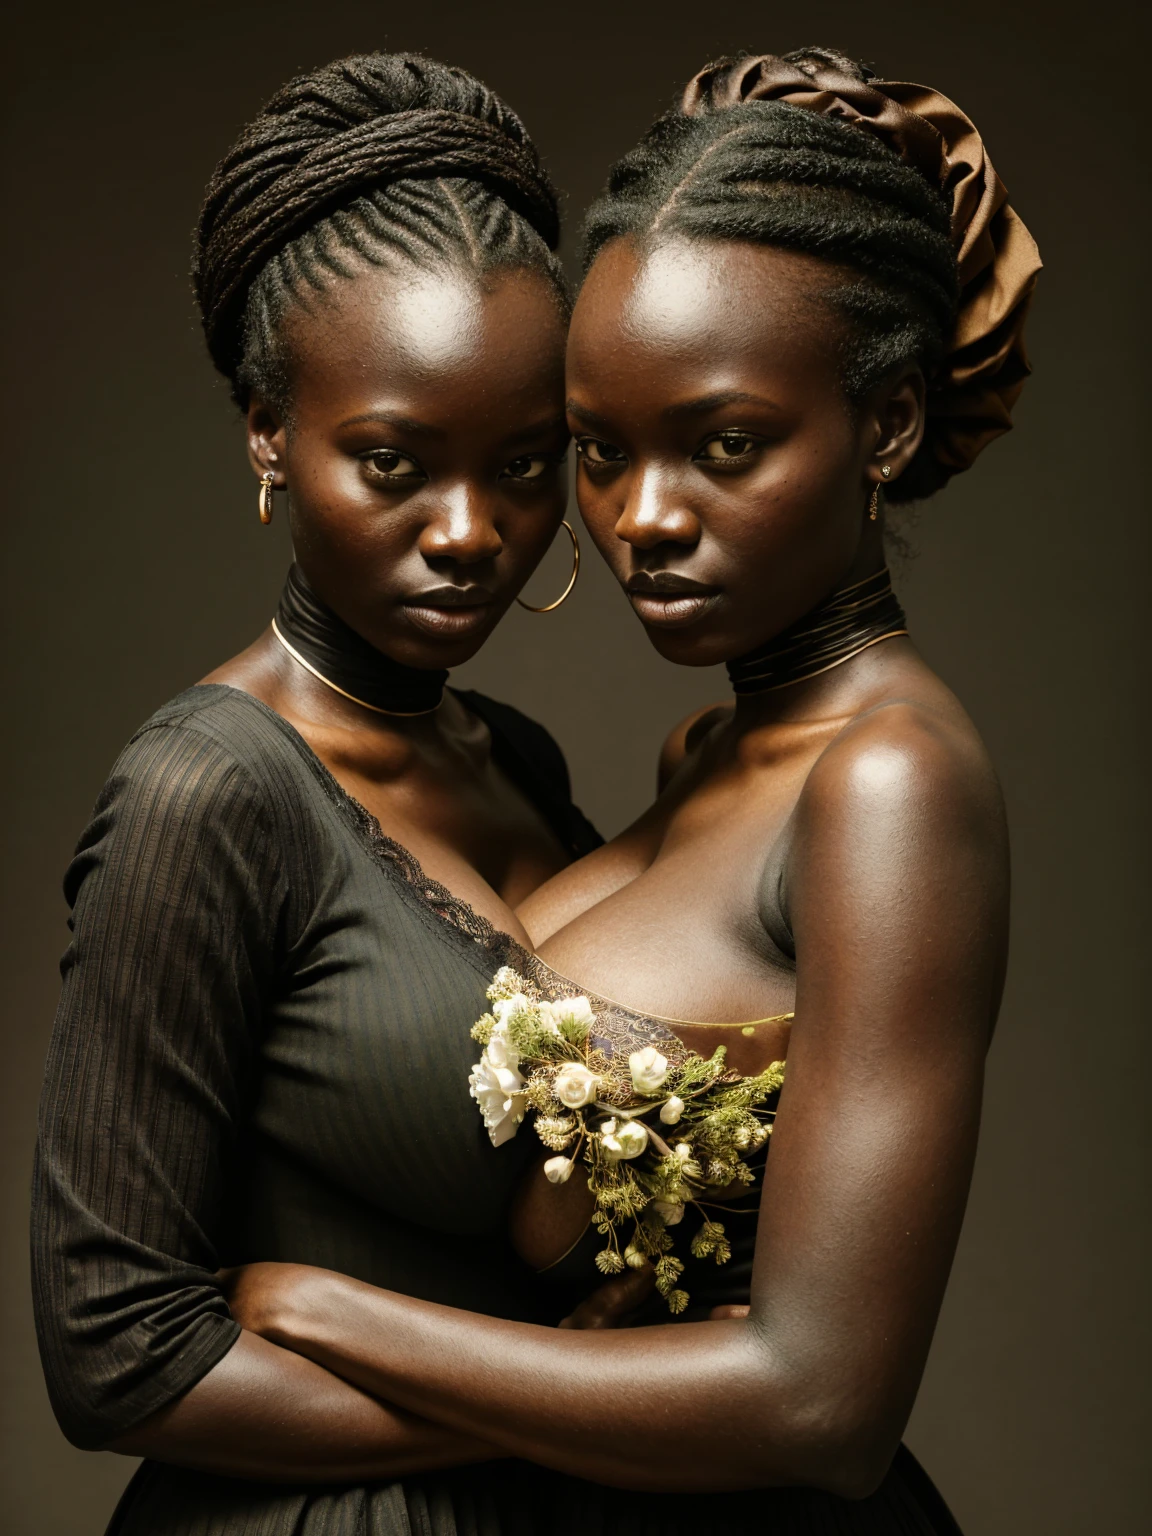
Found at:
[557, 1131]
[668, 1271]
[574, 1031]
[721, 1122]
[698, 1071]
[711, 1242]
[482, 1029]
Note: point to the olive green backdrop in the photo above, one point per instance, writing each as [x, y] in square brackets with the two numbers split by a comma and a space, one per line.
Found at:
[135, 562]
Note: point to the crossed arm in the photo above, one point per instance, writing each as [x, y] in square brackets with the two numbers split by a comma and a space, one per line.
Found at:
[896, 893]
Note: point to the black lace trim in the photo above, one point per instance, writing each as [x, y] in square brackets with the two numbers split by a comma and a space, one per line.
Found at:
[617, 1028]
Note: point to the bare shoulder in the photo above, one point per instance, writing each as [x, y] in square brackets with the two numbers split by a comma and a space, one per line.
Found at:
[921, 760]
[897, 873]
[685, 736]
[901, 827]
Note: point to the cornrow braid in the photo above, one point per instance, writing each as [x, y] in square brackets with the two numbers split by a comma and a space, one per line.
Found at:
[773, 173]
[375, 160]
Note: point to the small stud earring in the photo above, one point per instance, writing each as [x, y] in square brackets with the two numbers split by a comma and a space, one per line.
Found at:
[886, 471]
[266, 480]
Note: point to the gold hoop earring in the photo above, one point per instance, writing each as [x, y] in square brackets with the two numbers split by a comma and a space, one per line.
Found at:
[266, 497]
[548, 607]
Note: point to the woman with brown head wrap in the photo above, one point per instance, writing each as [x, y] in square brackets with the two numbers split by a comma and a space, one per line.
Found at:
[805, 292]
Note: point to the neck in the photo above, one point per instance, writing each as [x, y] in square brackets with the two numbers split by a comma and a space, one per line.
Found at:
[332, 651]
[849, 621]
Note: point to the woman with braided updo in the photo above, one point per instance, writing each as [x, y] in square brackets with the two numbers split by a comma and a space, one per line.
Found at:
[267, 1000]
[805, 292]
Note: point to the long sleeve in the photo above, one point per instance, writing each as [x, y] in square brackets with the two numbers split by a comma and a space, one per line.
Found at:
[179, 905]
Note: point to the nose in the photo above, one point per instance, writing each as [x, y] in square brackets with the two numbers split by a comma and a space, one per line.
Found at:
[462, 528]
[654, 513]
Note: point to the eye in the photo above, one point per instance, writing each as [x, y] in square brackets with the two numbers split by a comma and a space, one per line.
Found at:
[728, 445]
[531, 467]
[390, 464]
[596, 452]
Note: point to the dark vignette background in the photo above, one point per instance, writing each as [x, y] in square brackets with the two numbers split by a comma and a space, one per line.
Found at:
[135, 563]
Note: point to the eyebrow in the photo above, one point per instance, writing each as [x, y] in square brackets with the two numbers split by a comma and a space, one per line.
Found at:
[698, 407]
[392, 419]
[593, 418]
[425, 429]
[705, 403]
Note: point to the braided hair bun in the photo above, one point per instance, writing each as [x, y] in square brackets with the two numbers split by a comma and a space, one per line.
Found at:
[886, 180]
[377, 159]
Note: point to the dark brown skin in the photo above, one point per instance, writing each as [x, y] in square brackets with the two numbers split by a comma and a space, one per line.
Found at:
[423, 450]
[853, 818]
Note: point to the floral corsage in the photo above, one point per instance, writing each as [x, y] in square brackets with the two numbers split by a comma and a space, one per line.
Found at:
[597, 1100]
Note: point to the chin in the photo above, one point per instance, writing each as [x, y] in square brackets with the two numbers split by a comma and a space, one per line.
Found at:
[685, 649]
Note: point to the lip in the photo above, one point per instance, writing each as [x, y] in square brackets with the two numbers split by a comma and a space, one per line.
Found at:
[450, 611]
[667, 600]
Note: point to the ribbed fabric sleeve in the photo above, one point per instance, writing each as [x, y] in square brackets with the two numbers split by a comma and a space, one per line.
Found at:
[179, 896]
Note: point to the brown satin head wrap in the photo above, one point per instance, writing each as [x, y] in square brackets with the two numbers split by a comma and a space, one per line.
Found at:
[972, 395]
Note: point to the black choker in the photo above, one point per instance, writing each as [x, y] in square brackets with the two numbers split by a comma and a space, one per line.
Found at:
[344, 661]
[840, 627]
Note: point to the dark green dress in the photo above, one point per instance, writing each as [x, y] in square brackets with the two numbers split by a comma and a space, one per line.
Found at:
[262, 1052]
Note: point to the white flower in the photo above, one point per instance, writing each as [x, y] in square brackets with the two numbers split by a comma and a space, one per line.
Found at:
[672, 1111]
[504, 983]
[669, 1211]
[502, 1053]
[575, 1085]
[578, 1009]
[628, 1139]
[547, 1019]
[558, 1169]
[505, 1007]
[498, 1091]
[648, 1068]
[683, 1151]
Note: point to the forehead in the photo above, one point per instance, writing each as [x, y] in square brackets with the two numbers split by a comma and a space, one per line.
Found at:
[698, 306]
[414, 329]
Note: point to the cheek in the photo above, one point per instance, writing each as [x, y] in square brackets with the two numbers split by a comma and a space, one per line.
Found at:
[805, 490]
[600, 508]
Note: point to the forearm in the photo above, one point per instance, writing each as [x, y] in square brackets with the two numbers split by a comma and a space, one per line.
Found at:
[675, 1407]
[271, 1415]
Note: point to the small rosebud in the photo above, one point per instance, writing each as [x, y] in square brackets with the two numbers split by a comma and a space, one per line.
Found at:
[575, 1085]
[648, 1068]
[683, 1151]
[558, 1169]
[634, 1258]
[672, 1111]
[628, 1140]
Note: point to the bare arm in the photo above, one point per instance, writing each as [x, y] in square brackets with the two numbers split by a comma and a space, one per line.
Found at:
[267, 1414]
[897, 899]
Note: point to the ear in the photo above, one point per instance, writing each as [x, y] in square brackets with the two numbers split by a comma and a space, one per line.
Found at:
[267, 441]
[896, 418]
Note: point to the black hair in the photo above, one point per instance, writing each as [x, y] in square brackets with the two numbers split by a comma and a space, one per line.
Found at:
[781, 175]
[377, 159]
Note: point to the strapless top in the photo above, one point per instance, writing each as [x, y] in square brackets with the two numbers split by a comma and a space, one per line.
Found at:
[616, 1028]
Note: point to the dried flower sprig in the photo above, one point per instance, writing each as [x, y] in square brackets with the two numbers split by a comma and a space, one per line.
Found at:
[596, 1100]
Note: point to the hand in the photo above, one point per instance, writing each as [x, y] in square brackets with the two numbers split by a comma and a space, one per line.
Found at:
[612, 1305]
